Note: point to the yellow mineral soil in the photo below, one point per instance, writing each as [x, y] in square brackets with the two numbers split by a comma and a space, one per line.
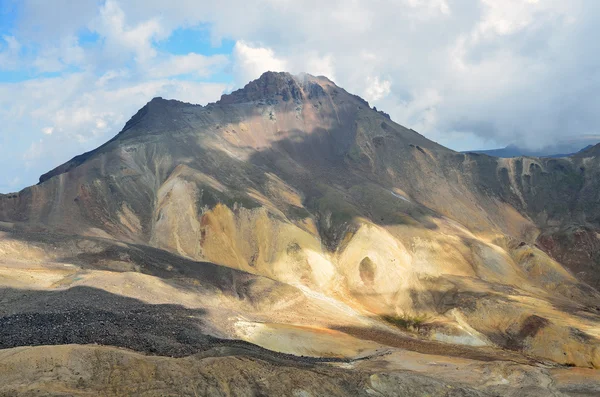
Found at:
[305, 341]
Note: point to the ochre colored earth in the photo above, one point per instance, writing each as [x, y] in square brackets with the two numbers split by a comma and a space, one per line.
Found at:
[291, 240]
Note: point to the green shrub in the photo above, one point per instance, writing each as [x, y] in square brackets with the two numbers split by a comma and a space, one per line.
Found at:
[406, 321]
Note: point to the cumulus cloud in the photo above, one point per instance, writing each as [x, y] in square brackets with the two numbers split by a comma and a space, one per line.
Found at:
[376, 88]
[250, 61]
[195, 64]
[319, 65]
[121, 39]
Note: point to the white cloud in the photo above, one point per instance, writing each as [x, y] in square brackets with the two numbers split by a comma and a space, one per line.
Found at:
[195, 64]
[49, 21]
[429, 8]
[121, 39]
[110, 76]
[9, 53]
[377, 89]
[312, 63]
[48, 130]
[323, 66]
[508, 16]
[12, 43]
[354, 15]
[251, 61]
[57, 58]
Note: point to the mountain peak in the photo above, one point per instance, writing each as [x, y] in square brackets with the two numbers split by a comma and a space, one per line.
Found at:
[279, 85]
[160, 101]
[590, 151]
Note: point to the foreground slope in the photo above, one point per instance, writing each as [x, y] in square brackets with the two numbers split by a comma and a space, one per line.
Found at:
[293, 216]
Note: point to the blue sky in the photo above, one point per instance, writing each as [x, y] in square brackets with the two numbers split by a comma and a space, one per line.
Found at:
[466, 73]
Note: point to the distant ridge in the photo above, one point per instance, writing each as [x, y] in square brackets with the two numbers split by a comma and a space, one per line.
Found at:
[554, 151]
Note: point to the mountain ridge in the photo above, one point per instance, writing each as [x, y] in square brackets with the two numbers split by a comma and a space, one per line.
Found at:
[313, 225]
[283, 85]
[556, 151]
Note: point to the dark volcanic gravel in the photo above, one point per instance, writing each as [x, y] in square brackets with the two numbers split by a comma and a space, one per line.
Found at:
[85, 315]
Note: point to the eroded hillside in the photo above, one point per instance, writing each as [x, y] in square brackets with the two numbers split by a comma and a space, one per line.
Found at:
[290, 219]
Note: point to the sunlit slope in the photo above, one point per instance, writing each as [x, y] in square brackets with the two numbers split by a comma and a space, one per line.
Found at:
[296, 181]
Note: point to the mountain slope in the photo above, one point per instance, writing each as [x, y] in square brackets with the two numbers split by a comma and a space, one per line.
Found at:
[315, 218]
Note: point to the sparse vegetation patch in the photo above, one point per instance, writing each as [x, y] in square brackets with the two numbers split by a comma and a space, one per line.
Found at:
[407, 321]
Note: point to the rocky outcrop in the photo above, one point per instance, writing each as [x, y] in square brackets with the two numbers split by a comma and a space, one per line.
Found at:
[272, 86]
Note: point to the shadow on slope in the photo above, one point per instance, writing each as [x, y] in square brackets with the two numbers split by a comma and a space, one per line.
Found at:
[84, 315]
[393, 339]
[319, 164]
[103, 254]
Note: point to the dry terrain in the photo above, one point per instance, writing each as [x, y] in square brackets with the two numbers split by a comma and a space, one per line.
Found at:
[291, 240]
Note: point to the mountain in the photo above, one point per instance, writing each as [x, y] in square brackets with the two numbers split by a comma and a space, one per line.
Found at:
[291, 240]
[562, 149]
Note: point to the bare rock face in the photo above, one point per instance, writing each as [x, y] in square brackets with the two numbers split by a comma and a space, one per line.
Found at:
[291, 228]
[268, 87]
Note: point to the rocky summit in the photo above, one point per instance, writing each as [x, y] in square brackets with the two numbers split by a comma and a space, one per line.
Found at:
[290, 240]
